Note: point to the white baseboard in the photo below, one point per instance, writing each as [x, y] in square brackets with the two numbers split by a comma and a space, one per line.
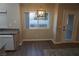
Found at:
[35, 39]
[64, 42]
[20, 44]
[32, 40]
[56, 42]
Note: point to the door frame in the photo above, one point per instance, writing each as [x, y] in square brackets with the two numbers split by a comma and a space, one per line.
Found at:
[64, 23]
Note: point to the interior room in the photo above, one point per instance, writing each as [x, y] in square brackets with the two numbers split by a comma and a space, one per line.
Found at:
[39, 29]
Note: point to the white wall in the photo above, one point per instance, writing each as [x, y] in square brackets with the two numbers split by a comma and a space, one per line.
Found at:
[11, 20]
[55, 21]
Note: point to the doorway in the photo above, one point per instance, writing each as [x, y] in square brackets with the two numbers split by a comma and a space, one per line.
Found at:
[69, 27]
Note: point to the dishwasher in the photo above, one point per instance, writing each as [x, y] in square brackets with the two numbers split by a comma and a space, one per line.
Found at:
[8, 40]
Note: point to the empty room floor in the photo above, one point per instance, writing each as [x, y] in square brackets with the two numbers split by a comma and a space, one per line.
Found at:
[31, 48]
[45, 48]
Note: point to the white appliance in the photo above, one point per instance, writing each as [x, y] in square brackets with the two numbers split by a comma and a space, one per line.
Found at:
[8, 40]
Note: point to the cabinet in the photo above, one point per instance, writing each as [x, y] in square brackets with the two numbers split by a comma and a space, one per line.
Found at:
[3, 16]
[13, 15]
[11, 41]
[9, 15]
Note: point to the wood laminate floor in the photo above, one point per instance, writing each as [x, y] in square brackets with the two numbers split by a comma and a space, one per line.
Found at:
[31, 48]
[44, 48]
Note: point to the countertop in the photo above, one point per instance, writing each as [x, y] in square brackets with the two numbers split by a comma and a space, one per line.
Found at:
[8, 31]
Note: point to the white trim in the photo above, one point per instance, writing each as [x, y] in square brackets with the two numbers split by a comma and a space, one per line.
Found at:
[35, 39]
[64, 42]
[56, 42]
[6, 36]
[47, 39]
[20, 44]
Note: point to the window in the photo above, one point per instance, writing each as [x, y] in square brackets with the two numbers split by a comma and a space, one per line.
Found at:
[33, 22]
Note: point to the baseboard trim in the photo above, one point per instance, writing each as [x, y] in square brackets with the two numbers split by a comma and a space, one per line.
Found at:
[35, 39]
[20, 44]
[64, 42]
[46, 40]
[32, 40]
[56, 42]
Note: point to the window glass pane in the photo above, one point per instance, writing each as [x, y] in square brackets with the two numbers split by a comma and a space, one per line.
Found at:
[32, 21]
[44, 21]
[27, 19]
[69, 30]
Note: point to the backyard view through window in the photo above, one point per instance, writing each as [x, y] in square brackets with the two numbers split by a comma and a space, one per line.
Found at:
[34, 22]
